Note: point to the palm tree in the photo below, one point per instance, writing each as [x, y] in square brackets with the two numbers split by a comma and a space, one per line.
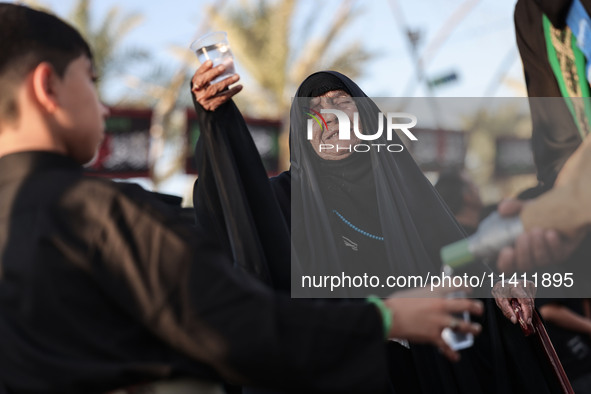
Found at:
[106, 36]
[277, 58]
[166, 100]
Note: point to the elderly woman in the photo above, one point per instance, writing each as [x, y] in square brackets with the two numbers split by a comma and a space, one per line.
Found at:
[355, 212]
[371, 211]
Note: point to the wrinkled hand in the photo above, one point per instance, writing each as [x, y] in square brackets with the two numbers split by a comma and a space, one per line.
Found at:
[419, 317]
[534, 248]
[524, 292]
[209, 95]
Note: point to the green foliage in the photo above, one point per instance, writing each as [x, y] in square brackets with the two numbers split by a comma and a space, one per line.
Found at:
[106, 36]
[276, 57]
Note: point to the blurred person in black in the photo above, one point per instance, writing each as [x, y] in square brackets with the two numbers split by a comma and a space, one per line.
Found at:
[554, 66]
[552, 69]
[570, 330]
[462, 197]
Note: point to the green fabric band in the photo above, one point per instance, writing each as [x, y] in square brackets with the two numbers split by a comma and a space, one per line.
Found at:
[384, 311]
[580, 69]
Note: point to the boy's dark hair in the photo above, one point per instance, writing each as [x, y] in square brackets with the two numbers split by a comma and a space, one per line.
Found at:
[27, 38]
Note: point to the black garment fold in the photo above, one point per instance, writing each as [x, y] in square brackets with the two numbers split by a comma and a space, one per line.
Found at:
[245, 217]
[103, 286]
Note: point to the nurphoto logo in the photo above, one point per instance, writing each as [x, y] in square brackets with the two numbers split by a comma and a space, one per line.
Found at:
[394, 121]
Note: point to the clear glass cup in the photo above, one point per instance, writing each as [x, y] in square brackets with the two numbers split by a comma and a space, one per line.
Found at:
[215, 47]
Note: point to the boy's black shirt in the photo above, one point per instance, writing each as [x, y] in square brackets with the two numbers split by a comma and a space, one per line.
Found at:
[102, 286]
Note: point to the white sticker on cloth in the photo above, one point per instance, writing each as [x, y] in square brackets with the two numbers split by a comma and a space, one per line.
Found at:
[403, 342]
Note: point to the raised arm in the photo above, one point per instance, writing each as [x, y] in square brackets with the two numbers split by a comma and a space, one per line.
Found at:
[233, 193]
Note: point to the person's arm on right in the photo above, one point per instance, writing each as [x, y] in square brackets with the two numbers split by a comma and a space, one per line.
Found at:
[564, 317]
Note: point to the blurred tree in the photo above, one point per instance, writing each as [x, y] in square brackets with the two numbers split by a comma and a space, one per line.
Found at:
[277, 54]
[168, 95]
[277, 51]
[105, 37]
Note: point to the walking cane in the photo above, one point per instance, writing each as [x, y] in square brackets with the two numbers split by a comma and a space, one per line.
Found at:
[538, 331]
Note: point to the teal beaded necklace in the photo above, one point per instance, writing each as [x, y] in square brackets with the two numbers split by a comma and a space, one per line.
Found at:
[363, 232]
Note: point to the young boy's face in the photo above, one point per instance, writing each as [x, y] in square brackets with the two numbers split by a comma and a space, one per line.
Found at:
[81, 116]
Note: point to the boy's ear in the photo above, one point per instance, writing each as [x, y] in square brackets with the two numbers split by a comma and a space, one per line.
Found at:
[45, 81]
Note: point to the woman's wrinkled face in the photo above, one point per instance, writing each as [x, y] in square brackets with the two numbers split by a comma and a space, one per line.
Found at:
[325, 138]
